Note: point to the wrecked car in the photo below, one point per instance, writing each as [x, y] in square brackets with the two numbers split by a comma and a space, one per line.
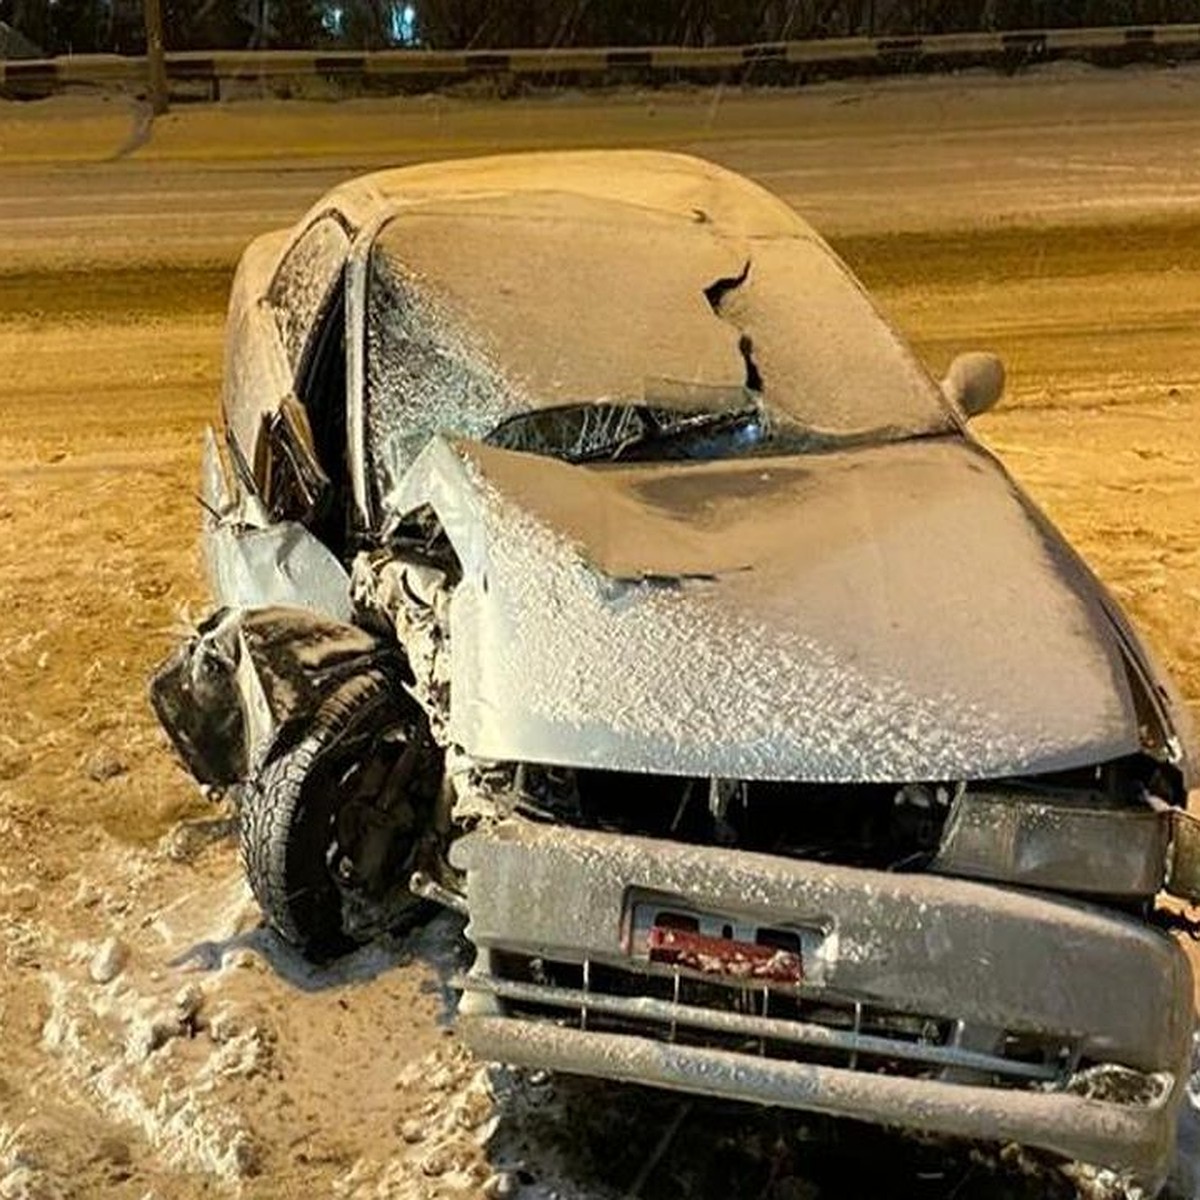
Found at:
[592, 557]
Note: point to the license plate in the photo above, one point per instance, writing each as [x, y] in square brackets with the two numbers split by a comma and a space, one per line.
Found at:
[722, 956]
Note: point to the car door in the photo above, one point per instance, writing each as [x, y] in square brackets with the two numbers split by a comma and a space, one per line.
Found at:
[282, 539]
[274, 318]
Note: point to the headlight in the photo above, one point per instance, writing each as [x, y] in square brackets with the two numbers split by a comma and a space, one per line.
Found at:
[1063, 846]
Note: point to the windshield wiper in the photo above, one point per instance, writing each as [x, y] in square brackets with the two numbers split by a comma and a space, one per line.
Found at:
[604, 432]
[698, 435]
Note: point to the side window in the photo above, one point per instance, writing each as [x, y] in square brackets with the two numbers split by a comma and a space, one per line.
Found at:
[321, 389]
[304, 283]
[299, 463]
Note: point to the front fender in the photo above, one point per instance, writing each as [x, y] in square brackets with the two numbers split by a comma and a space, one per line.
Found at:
[245, 677]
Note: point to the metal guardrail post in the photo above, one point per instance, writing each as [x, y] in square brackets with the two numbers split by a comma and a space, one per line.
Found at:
[156, 70]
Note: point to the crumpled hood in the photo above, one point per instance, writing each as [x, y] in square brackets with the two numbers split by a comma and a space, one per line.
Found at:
[878, 614]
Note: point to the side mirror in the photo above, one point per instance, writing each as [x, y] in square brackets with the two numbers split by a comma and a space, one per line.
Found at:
[975, 382]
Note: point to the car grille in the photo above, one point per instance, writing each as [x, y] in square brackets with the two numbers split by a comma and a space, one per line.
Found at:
[761, 1020]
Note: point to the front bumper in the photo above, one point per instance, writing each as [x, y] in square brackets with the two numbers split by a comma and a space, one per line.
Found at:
[1139, 1139]
[1090, 985]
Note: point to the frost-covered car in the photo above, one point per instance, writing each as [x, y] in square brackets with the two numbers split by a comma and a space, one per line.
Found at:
[593, 558]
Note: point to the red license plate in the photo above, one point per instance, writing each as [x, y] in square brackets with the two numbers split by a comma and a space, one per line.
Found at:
[722, 956]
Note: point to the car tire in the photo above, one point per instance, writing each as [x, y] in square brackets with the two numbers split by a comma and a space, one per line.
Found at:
[288, 814]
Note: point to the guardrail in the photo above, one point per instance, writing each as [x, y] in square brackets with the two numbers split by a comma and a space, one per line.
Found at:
[39, 76]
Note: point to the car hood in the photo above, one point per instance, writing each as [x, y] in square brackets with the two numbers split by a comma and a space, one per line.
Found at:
[876, 614]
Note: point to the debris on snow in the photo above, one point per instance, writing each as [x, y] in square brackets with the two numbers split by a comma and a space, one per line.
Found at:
[108, 961]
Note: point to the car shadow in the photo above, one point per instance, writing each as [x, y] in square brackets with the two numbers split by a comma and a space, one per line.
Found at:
[437, 943]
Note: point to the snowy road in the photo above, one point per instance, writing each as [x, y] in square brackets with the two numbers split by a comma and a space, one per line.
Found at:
[1068, 144]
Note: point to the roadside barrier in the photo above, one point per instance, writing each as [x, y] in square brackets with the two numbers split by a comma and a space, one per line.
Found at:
[764, 61]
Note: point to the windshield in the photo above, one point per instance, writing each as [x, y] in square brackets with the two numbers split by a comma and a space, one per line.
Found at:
[589, 328]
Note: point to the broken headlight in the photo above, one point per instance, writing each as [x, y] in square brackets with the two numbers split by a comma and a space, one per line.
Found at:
[1060, 846]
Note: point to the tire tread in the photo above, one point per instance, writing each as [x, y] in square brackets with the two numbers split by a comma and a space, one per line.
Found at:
[282, 810]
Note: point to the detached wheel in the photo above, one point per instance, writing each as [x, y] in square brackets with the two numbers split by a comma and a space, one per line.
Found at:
[288, 819]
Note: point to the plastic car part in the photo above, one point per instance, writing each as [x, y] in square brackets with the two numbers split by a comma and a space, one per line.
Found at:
[195, 697]
[902, 946]
[292, 482]
[1053, 843]
[1183, 865]
[975, 382]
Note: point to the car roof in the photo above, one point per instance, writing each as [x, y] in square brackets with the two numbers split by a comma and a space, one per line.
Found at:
[670, 183]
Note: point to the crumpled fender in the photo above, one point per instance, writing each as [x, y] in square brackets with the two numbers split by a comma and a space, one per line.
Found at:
[247, 679]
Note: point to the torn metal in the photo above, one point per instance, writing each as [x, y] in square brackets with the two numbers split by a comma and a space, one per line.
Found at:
[246, 675]
[255, 560]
